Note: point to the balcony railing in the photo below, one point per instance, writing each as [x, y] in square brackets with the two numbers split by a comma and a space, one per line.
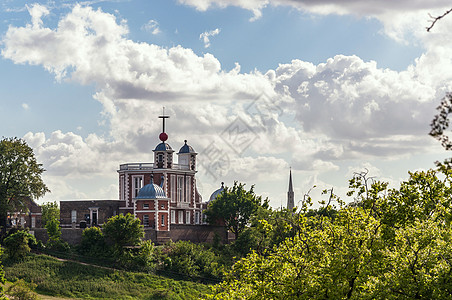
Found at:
[148, 166]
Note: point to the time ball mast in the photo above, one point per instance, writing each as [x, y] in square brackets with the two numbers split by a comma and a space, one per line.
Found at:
[163, 136]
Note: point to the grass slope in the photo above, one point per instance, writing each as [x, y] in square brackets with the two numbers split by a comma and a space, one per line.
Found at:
[74, 280]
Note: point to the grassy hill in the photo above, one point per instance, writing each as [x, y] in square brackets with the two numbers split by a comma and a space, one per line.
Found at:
[74, 280]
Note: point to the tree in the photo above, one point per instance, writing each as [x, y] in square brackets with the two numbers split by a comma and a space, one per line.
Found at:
[391, 244]
[17, 245]
[50, 211]
[234, 206]
[20, 177]
[123, 230]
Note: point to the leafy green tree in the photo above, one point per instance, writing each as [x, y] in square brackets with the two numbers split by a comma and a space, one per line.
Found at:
[390, 244]
[50, 211]
[2, 278]
[21, 290]
[93, 243]
[17, 245]
[234, 206]
[123, 230]
[20, 177]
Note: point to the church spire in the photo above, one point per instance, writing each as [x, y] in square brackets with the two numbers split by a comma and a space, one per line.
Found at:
[290, 194]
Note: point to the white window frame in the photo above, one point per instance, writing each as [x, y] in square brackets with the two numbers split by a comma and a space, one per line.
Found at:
[33, 222]
[145, 205]
[137, 184]
[181, 217]
[173, 216]
[163, 220]
[173, 188]
[74, 216]
[145, 220]
[187, 217]
[180, 189]
[188, 188]
[122, 194]
[196, 217]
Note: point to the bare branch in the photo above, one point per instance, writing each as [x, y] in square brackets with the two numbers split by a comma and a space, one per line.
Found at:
[435, 19]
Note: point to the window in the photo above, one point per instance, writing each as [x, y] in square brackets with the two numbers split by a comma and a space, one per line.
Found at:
[180, 189]
[137, 185]
[188, 187]
[173, 216]
[146, 220]
[33, 222]
[163, 220]
[162, 206]
[197, 217]
[146, 206]
[187, 217]
[181, 217]
[74, 216]
[160, 157]
[173, 188]
[121, 188]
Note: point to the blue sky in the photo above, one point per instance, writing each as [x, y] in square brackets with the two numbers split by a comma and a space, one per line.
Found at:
[344, 87]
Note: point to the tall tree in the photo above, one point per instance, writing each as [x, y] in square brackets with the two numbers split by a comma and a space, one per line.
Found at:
[234, 206]
[123, 230]
[20, 177]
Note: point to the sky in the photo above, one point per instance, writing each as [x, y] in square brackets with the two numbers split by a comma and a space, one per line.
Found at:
[325, 88]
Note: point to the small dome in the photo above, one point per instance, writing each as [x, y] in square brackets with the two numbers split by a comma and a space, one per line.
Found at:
[186, 148]
[217, 192]
[163, 147]
[151, 191]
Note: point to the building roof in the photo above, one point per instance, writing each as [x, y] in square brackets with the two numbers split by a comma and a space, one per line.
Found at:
[217, 192]
[186, 148]
[163, 147]
[151, 191]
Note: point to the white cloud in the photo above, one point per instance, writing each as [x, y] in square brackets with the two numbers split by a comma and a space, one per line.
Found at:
[312, 116]
[152, 26]
[205, 36]
[25, 106]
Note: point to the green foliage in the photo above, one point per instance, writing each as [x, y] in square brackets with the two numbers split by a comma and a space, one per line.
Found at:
[73, 280]
[50, 211]
[388, 244]
[123, 231]
[53, 230]
[193, 260]
[93, 243]
[17, 245]
[234, 206]
[20, 177]
[20, 290]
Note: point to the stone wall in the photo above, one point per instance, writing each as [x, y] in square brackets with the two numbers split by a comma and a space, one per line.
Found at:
[69, 235]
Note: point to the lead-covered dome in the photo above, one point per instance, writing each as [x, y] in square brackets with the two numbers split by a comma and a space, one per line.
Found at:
[186, 148]
[163, 147]
[151, 191]
[217, 192]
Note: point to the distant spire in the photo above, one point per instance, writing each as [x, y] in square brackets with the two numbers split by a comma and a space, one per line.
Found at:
[290, 194]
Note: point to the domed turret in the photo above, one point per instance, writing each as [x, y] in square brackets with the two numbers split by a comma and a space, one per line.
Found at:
[217, 192]
[186, 148]
[187, 157]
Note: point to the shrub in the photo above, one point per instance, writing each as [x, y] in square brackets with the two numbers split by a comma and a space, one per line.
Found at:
[20, 290]
[17, 245]
[93, 243]
[192, 260]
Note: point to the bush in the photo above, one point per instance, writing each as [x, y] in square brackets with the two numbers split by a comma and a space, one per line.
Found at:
[20, 290]
[58, 245]
[192, 260]
[17, 245]
[93, 243]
